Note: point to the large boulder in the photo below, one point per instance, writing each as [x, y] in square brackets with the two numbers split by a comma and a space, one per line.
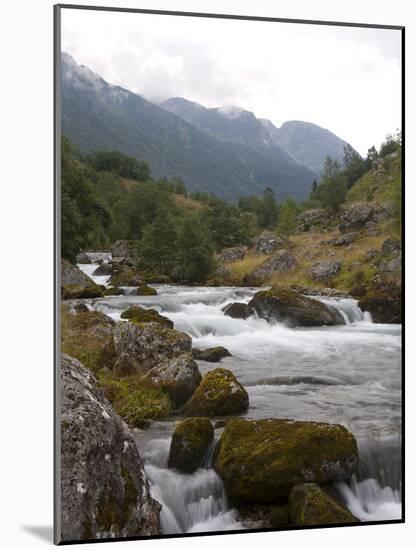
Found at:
[234, 254]
[141, 346]
[315, 219]
[212, 355]
[282, 304]
[280, 262]
[343, 240]
[177, 376]
[138, 314]
[125, 275]
[238, 310]
[190, 443]
[75, 284]
[261, 460]
[103, 269]
[218, 394]
[268, 242]
[324, 271]
[309, 504]
[390, 261]
[124, 250]
[383, 303]
[363, 215]
[145, 290]
[88, 336]
[104, 488]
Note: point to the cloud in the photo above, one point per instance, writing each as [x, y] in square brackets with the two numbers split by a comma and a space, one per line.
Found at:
[344, 79]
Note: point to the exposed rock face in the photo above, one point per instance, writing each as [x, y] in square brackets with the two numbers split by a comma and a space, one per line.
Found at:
[344, 240]
[384, 303]
[88, 336]
[140, 347]
[218, 394]
[124, 250]
[238, 310]
[309, 504]
[83, 258]
[190, 442]
[324, 271]
[138, 314]
[75, 284]
[281, 304]
[105, 491]
[233, 254]
[178, 377]
[212, 354]
[268, 242]
[280, 262]
[261, 460]
[359, 215]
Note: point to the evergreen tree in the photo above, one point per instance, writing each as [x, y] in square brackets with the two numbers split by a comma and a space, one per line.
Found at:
[288, 213]
[158, 247]
[194, 259]
[268, 209]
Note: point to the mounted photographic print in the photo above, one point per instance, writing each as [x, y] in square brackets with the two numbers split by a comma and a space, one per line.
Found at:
[228, 274]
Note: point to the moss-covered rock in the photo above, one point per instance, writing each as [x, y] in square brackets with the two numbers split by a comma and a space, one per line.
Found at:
[88, 336]
[309, 504]
[218, 394]
[142, 346]
[138, 314]
[177, 376]
[212, 355]
[113, 291]
[190, 442]
[384, 303]
[124, 275]
[74, 292]
[283, 304]
[145, 290]
[261, 460]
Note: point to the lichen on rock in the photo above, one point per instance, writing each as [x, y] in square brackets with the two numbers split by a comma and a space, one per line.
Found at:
[190, 442]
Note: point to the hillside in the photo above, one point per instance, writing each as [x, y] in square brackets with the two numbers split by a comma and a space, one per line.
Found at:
[99, 116]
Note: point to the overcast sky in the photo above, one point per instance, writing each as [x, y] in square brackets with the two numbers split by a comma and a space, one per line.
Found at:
[345, 79]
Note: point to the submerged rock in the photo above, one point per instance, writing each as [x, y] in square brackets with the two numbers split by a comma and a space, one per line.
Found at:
[113, 291]
[324, 271]
[238, 310]
[212, 355]
[218, 394]
[309, 504]
[280, 262]
[261, 460]
[104, 269]
[104, 488]
[282, 304]
[138, 314]
[190, 443]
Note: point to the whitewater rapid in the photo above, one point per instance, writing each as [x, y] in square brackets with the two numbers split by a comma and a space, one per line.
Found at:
[348, 374]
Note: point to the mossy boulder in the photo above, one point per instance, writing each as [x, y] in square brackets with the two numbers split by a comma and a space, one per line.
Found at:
[88, 336]
[212, 355]
[145, 290]
[125, 275]
[309, 504]
[218, 394]
[287, 305]
[238, 310]
[178, 376]
[280, 262]
[190, 442]
[141, 346]
[138, 314]
[384, 303]
[261, 460]
[113, 291]
[74, 292]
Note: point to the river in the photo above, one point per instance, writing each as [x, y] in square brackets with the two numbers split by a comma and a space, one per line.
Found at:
[347, 374]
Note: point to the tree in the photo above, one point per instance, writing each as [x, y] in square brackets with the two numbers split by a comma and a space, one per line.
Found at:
[226, 224]
[124, 165]
[354, 165]
[158, 247]
[267, 209]
[333, 191]
[194, 259]
[288, 213]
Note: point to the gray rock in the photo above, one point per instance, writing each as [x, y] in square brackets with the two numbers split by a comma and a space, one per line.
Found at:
[344, 240]
[268, 242]
[83, 258]
[72, 275]
[104, 488]
[190, 443]
[392, 247]
[356, 216]
[104, 269]
[212, 355]
[313, 220]
[222, 272]
[280, 262]
[124, 249]
[324, 271]
[233, 254]
[238, 310]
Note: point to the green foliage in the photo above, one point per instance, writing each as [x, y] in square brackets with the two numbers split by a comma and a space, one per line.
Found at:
[332, 191]
[288, 213]
[391, 144]
[123, 165]
[354, 165]
[158, 247]
[226, 224]
[267, 210]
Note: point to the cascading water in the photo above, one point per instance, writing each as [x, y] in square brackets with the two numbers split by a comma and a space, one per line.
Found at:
[347, 374]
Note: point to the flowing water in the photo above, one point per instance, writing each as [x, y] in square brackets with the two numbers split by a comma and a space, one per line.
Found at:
[348, 374]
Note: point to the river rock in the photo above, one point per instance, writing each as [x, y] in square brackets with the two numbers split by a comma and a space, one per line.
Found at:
[218, 394]
[282, 304]
[138, 314]
[309, 504]
[124, 275]
[104, 269]
[190, 443]
[75, 284]
[113, 291]
[238, 310]
[261, 460]
[88, 336]
[212, 355]
[177, 376]
[104, 488]
[280, 262]
[83, 258]
[324, 271]
[145, 290]
[234, 254]
[125, 251]
[384, 303]
[268, 242]
[140, 347]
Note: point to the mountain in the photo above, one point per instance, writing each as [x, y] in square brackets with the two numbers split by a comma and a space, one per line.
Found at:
[307, 143]
[99, 116]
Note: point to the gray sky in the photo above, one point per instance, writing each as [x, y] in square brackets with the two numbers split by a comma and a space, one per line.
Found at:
[345, 79]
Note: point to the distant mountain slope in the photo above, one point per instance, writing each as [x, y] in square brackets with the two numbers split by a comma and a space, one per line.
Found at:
[308, 143]
[97, 115]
